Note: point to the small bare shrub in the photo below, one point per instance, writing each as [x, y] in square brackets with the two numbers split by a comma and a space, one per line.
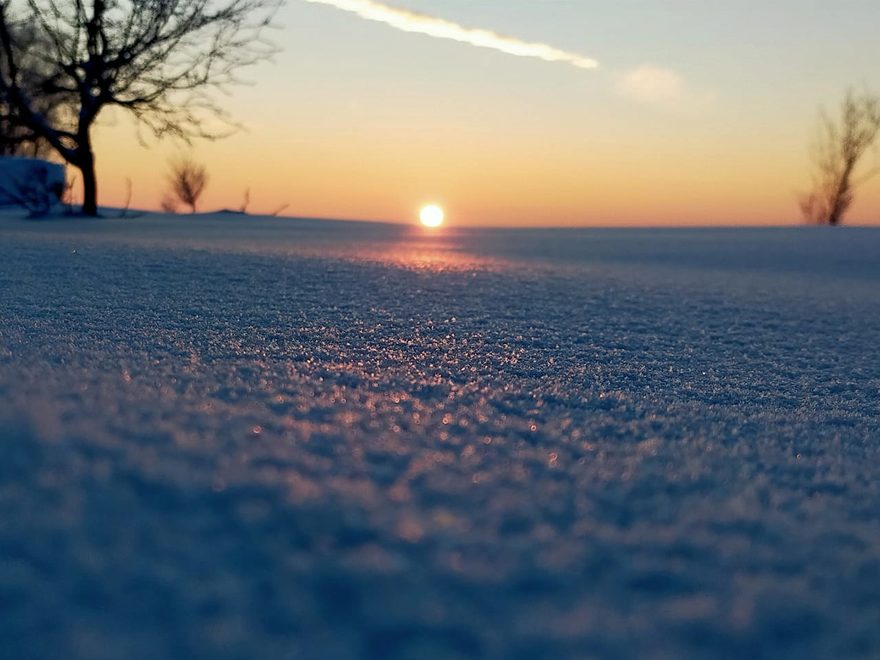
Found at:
[187, 181]
[837, 154]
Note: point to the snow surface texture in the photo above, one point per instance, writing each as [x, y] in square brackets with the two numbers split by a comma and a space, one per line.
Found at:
[226, 437]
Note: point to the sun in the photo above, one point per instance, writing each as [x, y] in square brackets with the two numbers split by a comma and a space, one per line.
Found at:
[431, 216]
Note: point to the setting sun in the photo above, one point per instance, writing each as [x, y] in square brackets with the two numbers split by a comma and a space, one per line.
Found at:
[431, 216]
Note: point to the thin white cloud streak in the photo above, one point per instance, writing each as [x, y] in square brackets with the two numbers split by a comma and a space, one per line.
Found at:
[409, 21]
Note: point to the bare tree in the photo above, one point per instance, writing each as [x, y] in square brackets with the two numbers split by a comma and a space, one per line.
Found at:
[16, 137]
[837, 154]
[187, 180]
[157, 59]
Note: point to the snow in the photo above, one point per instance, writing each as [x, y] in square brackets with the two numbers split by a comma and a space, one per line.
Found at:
[18, 173]
[237, 437]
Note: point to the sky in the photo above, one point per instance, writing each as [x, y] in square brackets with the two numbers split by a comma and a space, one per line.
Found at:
[527, 112]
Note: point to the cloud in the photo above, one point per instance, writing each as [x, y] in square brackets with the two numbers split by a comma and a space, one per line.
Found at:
[652, 84]
[660, 86]
[648, 83]
[409, 21]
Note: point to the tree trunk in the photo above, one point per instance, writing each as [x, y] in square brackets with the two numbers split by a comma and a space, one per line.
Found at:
[90, 183]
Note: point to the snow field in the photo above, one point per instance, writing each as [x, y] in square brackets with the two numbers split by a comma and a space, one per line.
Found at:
[316, 440]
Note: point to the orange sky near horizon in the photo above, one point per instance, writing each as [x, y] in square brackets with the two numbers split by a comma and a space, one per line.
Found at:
[380, 122]
[540, 186]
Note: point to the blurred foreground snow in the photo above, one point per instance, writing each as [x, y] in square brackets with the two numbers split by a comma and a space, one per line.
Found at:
[242, 437]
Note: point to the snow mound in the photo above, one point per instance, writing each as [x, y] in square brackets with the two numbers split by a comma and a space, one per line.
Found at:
[25, 181]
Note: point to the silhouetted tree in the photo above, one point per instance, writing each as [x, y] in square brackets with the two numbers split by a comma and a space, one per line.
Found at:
[187, 180]
[837, 154]
[16, 137]
[154, 58]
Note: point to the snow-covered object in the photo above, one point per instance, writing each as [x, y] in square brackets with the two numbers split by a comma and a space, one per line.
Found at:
[23, 178]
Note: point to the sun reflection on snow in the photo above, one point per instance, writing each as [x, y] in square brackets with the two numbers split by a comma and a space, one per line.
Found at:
[433, 254]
